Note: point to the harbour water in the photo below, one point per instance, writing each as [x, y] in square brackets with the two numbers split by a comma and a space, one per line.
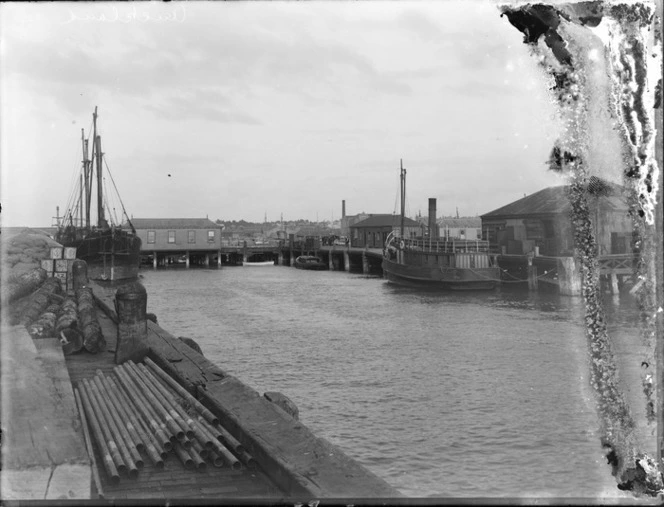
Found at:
[442, 394]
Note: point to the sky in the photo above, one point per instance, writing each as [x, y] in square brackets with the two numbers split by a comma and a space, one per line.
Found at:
[248, 110]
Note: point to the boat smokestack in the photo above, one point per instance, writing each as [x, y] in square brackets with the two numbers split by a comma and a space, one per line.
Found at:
[343, 208]
[433, 226]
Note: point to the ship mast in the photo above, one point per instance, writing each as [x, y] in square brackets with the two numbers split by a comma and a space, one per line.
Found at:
[403, 197]
[93, 162]
[101, 221]
[97, 157]
[86, 175]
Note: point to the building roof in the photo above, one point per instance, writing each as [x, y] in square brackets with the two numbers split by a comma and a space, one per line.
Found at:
[555, 201]
[174, 223]
[385, 220]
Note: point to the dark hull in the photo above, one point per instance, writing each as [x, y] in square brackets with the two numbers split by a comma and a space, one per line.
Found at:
[444, 278]
[310, 264]
[110, 254]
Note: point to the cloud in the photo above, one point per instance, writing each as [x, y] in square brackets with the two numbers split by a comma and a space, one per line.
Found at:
[205, 104]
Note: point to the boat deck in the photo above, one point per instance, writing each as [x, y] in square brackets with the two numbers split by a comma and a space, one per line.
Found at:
[173, 481]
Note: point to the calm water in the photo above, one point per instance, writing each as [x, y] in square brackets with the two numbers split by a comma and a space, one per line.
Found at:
[440, 394]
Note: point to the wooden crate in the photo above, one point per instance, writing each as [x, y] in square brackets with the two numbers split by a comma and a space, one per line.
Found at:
[70, 253]
[48, 265]
[61, 276]
[61, 265]
[56, 252]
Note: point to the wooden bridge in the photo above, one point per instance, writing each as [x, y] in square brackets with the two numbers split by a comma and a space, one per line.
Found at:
[563, 272]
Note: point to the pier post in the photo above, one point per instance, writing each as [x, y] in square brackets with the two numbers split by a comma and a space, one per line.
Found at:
[614, 284]
[330, 263]
[79, 271]
[532, 273]
[365, 263]
[346, 261]
[207, 260]
[291, 241]
[280, 258]
[131, 306]
[186, 255]
[218, 258]
[155, 260]
[569, 277]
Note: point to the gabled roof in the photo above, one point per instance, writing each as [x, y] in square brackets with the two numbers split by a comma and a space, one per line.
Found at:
[385, 220]
[174, 223]
[555, 201]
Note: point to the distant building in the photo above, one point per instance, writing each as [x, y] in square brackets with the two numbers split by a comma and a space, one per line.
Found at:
[348, 221]
[460, 228]
[455, 228]
[177, 234]
[373, 230]
[543, 220]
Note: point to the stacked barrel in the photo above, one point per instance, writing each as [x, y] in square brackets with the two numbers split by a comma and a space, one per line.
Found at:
[140, 410]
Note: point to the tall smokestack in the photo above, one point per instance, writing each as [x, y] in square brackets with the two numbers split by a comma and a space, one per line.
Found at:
[343, 209]
[433, 226]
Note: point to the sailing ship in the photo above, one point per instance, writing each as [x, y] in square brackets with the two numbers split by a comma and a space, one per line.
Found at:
[110, 249]
[458, 264]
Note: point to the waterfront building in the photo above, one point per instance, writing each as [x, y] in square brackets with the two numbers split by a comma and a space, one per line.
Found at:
[174, 237]
[541, 222]
[373, 230]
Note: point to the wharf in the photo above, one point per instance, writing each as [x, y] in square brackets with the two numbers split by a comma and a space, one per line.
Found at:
[173, 481]
[292, 461]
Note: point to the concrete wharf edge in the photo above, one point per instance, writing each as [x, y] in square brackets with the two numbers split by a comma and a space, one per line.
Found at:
[44, 456]
[296, 460]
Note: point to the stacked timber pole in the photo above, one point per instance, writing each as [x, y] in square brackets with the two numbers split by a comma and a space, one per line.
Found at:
[140, 410]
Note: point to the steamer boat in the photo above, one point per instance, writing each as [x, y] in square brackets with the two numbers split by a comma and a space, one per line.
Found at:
[456, 264]
[110, 249]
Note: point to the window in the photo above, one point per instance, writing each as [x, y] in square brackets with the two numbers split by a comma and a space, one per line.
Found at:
[171, 236]
[191, 236]
[210, 236]
[152, 235]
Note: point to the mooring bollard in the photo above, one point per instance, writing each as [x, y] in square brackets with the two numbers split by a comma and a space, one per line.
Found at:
[131, 304]
[79, 270]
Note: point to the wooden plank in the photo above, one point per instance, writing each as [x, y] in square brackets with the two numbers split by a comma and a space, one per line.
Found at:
[291, 454]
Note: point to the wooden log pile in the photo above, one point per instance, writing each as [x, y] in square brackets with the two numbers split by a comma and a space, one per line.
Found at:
[48, 313]
[40, 300]
[88, 324]
[140, 411]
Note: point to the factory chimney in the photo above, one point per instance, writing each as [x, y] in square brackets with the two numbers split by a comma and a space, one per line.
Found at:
[343, 208]
[433, 225]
